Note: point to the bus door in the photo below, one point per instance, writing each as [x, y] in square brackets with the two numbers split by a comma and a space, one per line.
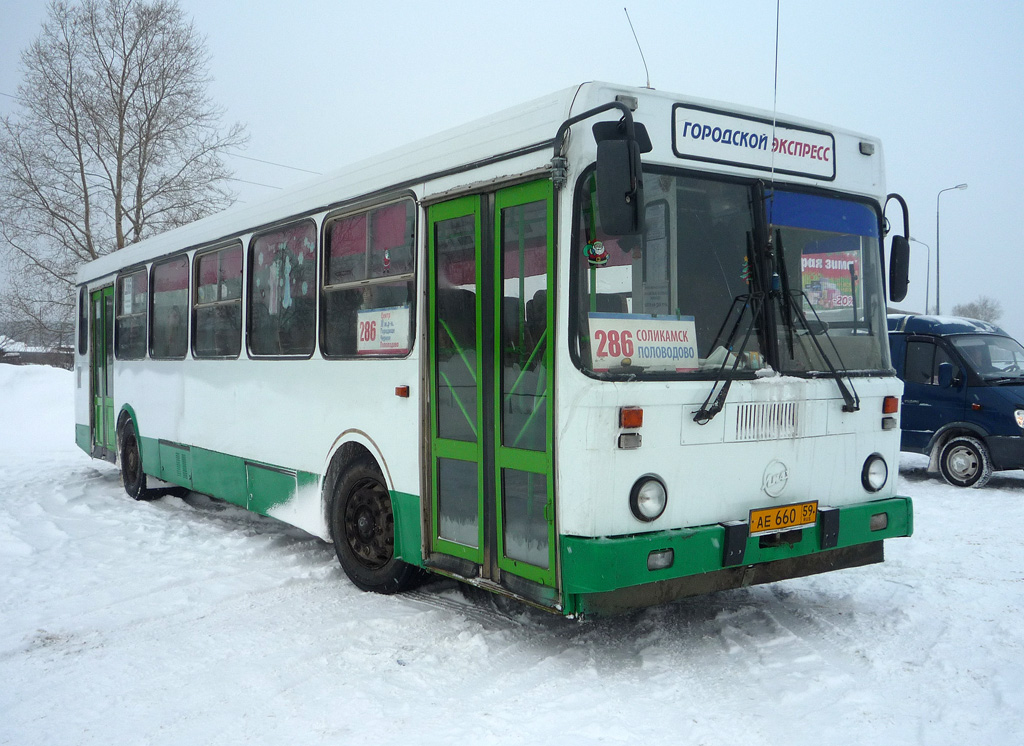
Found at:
[491, 312]
[101, 376]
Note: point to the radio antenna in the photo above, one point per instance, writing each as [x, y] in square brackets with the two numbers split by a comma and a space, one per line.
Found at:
[775, 107]
[642, 58]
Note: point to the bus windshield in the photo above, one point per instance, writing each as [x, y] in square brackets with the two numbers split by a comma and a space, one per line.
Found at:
[830, 249]
[698, 295]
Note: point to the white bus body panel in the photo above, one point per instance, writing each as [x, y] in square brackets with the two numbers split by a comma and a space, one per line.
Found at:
[297, 413]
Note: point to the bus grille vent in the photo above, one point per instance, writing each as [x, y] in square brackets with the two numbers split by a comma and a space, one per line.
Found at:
[181, 465]
[768, 421]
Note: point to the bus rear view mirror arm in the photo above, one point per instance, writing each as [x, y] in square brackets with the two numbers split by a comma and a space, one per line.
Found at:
[619, 176]
[899, 255]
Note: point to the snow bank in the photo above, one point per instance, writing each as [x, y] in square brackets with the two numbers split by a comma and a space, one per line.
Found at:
[192, 621]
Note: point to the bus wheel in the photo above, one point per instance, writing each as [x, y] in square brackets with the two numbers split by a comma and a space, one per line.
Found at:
[132, 475]
[363, 529]
[964, 462]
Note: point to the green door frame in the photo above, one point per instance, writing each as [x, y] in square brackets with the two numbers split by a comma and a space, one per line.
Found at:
[487, 451]
[452, 449]
[511, 456]
[101, 373]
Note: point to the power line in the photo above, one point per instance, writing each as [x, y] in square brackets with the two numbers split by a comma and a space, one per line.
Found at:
[254, 183]
[271, 163]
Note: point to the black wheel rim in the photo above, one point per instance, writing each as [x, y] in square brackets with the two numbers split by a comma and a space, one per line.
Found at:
[370, 524]
[131, 460]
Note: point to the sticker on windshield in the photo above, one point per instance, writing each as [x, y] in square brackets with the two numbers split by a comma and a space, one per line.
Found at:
[622, 340]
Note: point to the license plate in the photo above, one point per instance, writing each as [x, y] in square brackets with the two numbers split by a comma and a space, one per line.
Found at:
[783, 518]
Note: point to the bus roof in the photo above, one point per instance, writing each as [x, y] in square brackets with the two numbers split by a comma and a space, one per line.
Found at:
[521, 135]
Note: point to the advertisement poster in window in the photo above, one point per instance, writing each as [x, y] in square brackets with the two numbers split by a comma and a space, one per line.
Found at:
[830, 280]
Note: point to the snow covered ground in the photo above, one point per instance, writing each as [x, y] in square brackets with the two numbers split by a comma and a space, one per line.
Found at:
[188, 621]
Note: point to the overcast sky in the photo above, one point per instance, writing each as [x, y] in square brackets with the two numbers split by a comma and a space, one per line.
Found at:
[322, 84]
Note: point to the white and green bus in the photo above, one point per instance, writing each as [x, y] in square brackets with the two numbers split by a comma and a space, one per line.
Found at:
[602, 350]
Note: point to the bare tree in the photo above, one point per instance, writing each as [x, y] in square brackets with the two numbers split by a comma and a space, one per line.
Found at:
[117, 140]
[984, 308]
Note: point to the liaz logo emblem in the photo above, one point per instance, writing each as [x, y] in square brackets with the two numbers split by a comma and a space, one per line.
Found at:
[776, 476]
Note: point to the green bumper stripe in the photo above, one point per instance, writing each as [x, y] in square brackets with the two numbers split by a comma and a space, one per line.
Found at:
[597, 565]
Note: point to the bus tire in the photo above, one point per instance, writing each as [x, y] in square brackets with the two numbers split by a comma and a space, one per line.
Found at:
[363, 530]
[964, 462]
[132, 476]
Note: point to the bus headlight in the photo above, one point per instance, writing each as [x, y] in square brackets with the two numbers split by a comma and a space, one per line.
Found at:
[648, 498]
[875, 473]
[1019, 414]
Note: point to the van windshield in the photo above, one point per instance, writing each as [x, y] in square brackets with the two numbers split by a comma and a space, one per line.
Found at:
[994, 358]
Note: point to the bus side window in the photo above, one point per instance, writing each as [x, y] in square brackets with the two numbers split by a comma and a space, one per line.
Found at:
[217, 326]
[169, 330]
[282, 279]
[132, 315]
[367, 297]
[83, 321]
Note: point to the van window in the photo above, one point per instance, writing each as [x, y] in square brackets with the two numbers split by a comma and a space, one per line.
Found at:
[923, 361]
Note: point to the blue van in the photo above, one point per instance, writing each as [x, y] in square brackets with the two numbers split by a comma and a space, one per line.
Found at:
[963, 396]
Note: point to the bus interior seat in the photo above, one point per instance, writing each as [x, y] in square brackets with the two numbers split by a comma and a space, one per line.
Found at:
[537, 316]
[456, 307]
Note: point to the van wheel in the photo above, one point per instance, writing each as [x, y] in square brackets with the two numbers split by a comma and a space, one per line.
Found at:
[132, 475]
[363, 529]
[964, 462]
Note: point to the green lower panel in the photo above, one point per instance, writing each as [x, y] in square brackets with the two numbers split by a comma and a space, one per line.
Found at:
[408, 534]
[176, 464]
[599, 565]
[83, 438]
[269, 486]
[150, 448]
[250, 484]
[219, 475]
[256, 486]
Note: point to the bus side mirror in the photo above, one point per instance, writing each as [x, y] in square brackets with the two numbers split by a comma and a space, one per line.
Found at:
[945, 375]
[899, 268]
[620, 189]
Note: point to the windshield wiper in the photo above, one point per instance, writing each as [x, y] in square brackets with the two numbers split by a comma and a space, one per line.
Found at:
[753, 301]
[790, 307]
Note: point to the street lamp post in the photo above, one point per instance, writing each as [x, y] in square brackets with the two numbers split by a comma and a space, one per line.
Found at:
[927, 272]
[938, 275]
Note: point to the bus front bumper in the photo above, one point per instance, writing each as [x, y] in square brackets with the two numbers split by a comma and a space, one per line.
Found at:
[609, 574]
